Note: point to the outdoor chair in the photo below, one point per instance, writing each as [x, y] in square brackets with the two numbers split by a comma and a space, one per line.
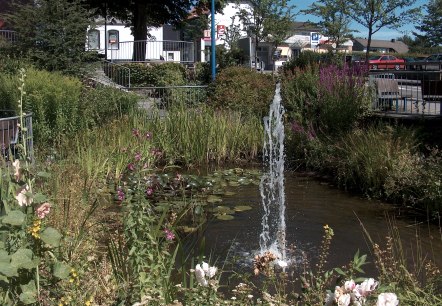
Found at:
[387, 91]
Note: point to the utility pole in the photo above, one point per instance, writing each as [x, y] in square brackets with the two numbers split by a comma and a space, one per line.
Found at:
[213, 42]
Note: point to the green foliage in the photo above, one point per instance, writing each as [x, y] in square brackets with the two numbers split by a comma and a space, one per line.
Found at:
[163, 74]
[61, 106]
[241, 89]
[52, 33]
[304, 60]
[327, 98]
[431, 25]
[232, 57]
[26, 240]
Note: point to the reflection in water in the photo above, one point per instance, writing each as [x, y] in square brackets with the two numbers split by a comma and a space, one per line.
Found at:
[311, 205]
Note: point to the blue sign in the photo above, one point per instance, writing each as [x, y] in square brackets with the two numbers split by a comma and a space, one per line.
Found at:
[315, 37]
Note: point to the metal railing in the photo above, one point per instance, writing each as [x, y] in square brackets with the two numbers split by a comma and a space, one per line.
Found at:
[407, 92]
[116, 74]
[8, 35]
[168, 96]
[162, 50]
[10, 135]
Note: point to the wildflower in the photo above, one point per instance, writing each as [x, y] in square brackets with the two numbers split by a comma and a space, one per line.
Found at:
[17, 170]
[88, 302]
[365, 288]
[149, 191]
[131, 167]
[387, 299]
[202, 271]
[148, 135]
[349, 285]
[169, 234]
[138, 156]
[22, 197]
[43, 210]
[136, 132]
[120, 194]
[34, 230]
[344, 300]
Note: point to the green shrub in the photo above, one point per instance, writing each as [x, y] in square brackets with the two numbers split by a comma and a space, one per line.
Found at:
[60, 105]
[103, 104]
[241, 89]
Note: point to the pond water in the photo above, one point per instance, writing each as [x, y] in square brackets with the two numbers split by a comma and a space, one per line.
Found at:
[310, 205]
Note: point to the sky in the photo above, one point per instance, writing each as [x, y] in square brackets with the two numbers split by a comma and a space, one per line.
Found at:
[384, 33]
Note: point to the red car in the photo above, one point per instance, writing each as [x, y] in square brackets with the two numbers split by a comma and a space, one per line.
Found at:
[386, 62]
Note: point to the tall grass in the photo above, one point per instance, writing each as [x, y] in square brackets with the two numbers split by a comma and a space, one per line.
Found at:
[201, 135]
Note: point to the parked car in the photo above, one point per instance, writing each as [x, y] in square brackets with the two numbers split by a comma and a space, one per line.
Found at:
[432, 62]
[386, 62]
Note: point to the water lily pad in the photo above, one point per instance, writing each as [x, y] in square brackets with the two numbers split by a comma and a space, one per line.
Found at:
[242, 208]
[223, 210]
[233, 184]
[213, 199]
[229, 193]
[225, 217]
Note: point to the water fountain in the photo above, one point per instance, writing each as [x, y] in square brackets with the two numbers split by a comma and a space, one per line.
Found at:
[273, 235]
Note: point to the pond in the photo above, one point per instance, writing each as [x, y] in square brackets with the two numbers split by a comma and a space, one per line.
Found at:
[311, 204]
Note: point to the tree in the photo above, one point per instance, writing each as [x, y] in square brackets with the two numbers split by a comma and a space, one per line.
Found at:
[335, 19]
[377, 14]
[268, 20]
[431, 24]
[51, 32]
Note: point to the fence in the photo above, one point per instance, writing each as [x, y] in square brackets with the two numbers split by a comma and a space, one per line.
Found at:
[408, 92]
[163, 50]
[117, 73]
[7, 35]
[168, 96]
[10, 134]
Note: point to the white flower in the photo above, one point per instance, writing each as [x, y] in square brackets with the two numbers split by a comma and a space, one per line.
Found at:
[349, 285]
[282, 263]
[22, 197]
[204, 270]
[387, 299]
[17, 171]
[344, 300]
[365, 288]
[200, 275]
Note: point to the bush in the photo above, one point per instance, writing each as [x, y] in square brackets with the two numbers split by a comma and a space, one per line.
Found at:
[60, 105]
[241, 89]
[330, 98]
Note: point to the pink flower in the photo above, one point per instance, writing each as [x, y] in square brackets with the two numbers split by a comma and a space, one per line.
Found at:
[120, 194]
[148, 135]
[138, 156]
[43, 210]
[22, 197]
[17, 170]
[349, 285]
[136, 132]
[149, 191]
[169, 234]
[131, 167]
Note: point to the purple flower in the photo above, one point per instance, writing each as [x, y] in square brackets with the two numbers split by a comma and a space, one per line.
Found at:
[138, 156]
[149, 191]
[169, 235]
[120, 194]
[136, 132]
[131, 167]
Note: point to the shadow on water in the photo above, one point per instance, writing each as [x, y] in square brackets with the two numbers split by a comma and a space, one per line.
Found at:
[310, 205]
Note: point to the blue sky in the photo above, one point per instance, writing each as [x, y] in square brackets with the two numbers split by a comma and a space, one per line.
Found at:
[384, 33]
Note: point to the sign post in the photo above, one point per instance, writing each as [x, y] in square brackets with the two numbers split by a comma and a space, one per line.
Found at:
[213, 42]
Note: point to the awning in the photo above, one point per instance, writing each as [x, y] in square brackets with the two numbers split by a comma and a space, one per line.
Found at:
[284, 51]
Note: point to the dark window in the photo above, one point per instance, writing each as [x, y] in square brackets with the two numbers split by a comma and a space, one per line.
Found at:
[113, 39]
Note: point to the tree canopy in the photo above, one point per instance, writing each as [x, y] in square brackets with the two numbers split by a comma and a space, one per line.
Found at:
[335, 19]
[431, 24]
[51, 32]
[377, 14]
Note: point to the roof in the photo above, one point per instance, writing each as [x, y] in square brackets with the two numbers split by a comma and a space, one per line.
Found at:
[305, 26]
[396, 45]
